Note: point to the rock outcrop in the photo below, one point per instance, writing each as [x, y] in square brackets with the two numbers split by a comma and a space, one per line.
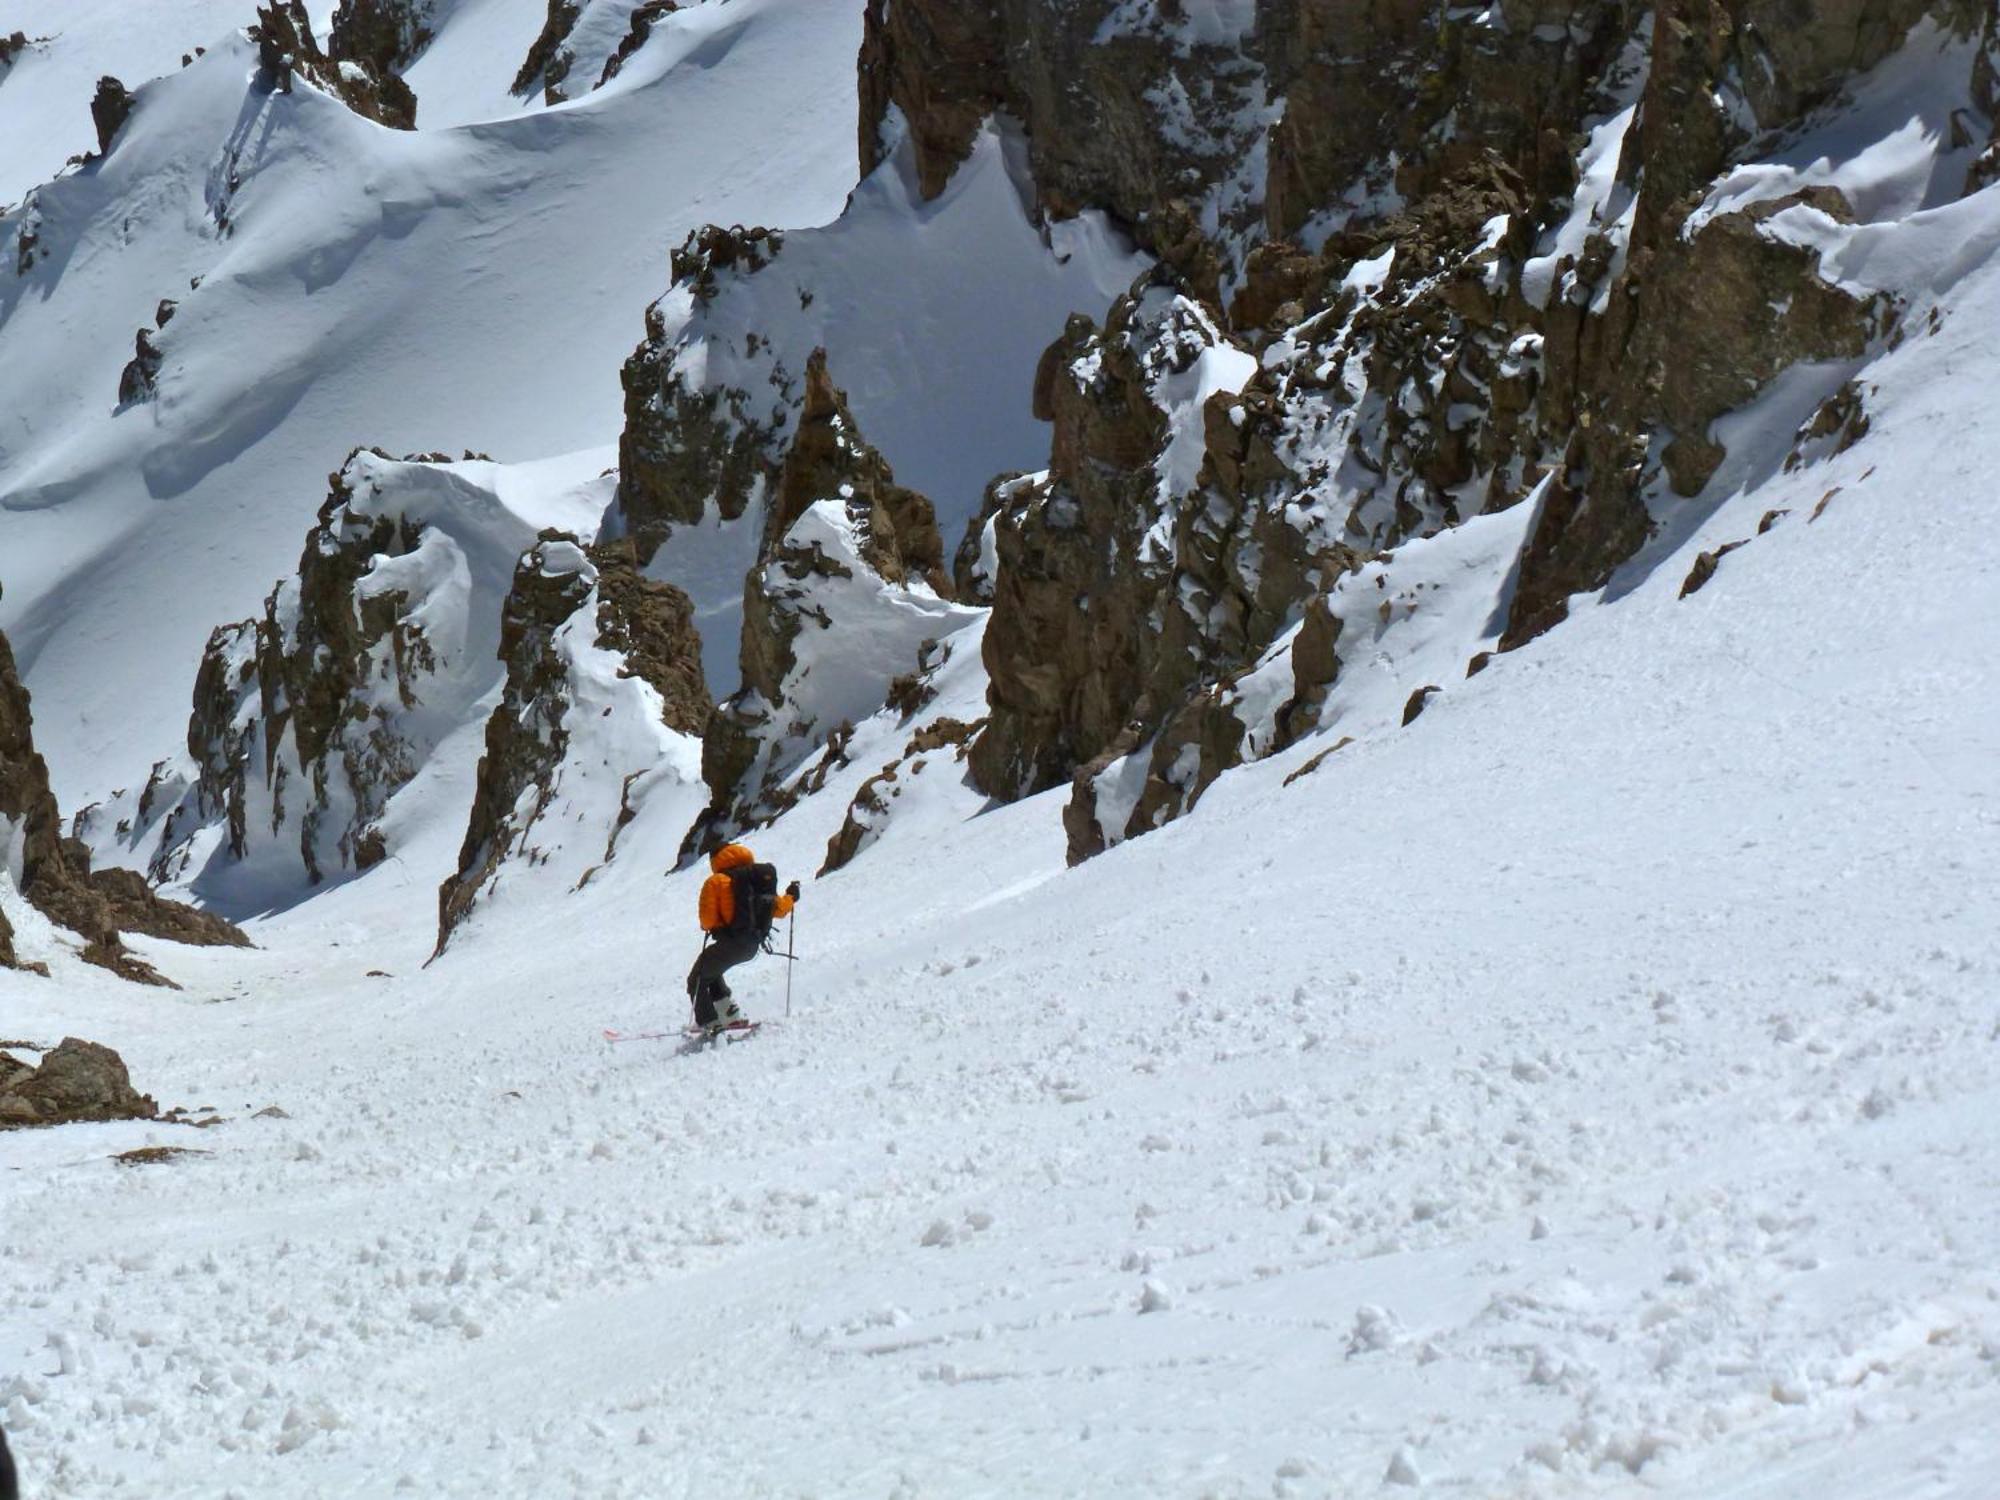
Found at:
[850, 586]
[944, 741]
[137, 382]
[78, 1081]
[110, 108]
[548, 63]
[604, 692]
[645, 17]
[287, 50]
[574, 52]
[1164, 549]
[710, 442]
[1136, 109]
[1417, 266]
[308, 719]
[1484, 265]
[384, 36]
[55, 873]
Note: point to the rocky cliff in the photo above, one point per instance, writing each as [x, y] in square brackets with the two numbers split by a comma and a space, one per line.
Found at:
[1415, 264]
[368, 37]
[383, 36]
[584, 43]
[849, 590]
[589, 647]
[705, 427]
[55, 873]
[308, 719]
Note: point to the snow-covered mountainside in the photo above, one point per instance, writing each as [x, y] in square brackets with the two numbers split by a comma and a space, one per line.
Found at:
[1372, 631]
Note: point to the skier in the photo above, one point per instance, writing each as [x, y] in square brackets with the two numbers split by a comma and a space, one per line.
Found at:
[739, 902]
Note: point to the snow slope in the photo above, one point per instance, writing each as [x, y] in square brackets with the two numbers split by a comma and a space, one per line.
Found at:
[360, 262]
[45, 96]
[1589, 1089]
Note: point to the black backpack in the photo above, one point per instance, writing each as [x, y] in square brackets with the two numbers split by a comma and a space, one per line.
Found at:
[755, 888]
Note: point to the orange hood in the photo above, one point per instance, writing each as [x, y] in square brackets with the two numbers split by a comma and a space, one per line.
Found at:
[730, 857]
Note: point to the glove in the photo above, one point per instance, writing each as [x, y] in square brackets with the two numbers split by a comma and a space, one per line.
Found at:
[792, 890]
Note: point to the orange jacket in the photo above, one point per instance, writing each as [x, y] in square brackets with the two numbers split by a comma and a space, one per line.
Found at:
[718, 892]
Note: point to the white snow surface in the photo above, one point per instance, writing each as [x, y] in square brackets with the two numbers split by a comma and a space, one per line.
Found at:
[45, 96]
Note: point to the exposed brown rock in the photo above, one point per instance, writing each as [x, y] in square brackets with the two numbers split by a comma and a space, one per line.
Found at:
[152, 1156]
[525, 737]
[829, 457]
[1318, 760]
[548, 61]
[1701, 325]
[309, 664]
[287, 50]
[55, 872]
[1279, 282]
[1367, 85]
[1705, 565]
[1099, 135]
[1419, 700]
[78, 1081]
[682, 452]
[1065, 679]
[1840, 422]
[650, 623]
[757, 738]
[644, 18]
[385, 36]
[136, 383]
[971, 568]
[862, 823]
[871, 808]
[1118, 603]
[110, 108]
[1409, 374]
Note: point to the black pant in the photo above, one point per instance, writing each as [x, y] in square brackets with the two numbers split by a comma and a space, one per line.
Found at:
[705, 982]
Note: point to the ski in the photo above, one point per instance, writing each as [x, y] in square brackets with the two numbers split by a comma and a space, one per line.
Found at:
[733, 1031]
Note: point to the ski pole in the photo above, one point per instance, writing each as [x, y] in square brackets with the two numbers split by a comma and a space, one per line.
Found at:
[791, 932]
